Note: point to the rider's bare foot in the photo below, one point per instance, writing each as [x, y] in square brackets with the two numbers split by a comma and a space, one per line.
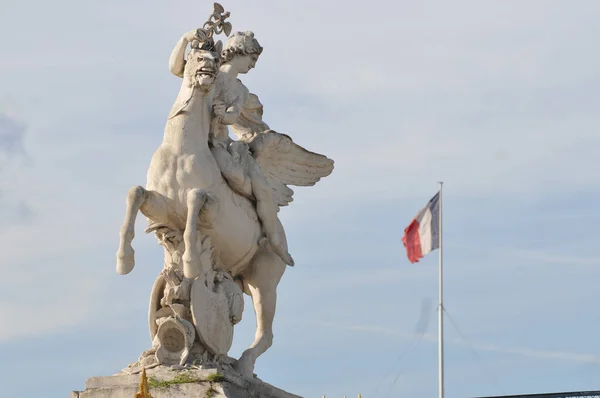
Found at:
[281, 252]
[277, 249]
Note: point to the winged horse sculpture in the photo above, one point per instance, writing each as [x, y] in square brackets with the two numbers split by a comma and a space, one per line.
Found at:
[187, 193]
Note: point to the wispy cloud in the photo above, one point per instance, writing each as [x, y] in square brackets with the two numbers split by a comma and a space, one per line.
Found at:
[432, 338]
[14, 213]
[12, 134]
[14, 209]
[551, 258]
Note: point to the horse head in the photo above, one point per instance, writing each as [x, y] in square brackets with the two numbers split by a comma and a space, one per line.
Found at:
[202, 65]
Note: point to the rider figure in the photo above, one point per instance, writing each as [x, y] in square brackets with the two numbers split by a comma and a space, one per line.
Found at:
[233, 157]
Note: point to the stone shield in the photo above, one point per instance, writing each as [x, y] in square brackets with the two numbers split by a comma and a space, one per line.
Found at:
[210, 312]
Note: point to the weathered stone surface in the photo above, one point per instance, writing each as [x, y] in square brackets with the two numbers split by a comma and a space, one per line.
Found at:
[213, 202]
[232, 386]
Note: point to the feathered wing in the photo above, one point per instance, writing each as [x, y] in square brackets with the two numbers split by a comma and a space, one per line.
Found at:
[281, 161]
[284, 163]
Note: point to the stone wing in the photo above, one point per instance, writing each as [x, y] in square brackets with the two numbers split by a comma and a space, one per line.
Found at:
[285, 163]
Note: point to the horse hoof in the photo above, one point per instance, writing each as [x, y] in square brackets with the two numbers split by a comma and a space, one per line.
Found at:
[245, 367]
[125, 260]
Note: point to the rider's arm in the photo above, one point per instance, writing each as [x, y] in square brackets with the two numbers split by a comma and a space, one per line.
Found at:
[221, 135]
[233, 112]
[177, 59]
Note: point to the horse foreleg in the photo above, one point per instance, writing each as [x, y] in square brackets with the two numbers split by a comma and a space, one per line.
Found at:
[196, 198]
[153, 206]
[261, 283]
[125, 255]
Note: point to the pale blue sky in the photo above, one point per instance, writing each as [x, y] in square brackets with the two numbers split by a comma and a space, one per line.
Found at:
[500, 99]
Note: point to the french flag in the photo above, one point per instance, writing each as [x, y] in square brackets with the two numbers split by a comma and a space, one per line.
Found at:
[423, 234]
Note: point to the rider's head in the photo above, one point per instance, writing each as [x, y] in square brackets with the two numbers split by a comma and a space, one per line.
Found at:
[241, 51]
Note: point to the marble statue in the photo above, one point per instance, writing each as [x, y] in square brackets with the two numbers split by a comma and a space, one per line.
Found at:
[212, 202]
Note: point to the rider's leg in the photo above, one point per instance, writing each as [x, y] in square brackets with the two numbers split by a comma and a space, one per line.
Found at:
[267, 212]
[232, 171]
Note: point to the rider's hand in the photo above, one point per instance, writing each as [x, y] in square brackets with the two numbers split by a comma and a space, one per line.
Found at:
[219, 109]
[192, 35]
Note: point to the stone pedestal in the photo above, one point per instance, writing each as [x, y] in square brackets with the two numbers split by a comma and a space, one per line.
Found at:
[167, 383]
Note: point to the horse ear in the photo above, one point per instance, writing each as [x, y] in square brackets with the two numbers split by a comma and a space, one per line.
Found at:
[218, 47]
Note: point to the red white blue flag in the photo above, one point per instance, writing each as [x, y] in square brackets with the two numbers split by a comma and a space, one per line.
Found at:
[423, 234]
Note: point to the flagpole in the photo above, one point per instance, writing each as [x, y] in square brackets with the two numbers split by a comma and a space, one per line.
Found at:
[440, 307]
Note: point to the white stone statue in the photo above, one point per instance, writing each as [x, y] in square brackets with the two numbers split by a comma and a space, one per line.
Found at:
[213, 202]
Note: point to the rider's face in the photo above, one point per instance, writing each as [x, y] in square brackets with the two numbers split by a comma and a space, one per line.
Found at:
[245, 62]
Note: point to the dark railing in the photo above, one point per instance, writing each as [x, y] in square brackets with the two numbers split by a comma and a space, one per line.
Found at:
[590, 394]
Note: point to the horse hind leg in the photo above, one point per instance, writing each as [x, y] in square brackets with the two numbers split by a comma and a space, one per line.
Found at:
[153, 205]
[260, 282]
